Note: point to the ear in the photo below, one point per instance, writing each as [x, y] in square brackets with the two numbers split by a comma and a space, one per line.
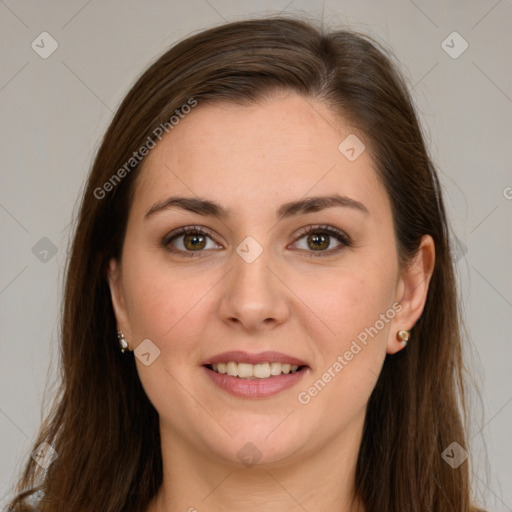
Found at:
[115, 284]
[412, 291]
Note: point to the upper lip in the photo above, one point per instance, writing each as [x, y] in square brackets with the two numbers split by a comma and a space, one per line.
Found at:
[239, 356]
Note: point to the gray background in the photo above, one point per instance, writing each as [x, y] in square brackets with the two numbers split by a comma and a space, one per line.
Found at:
[55, 110]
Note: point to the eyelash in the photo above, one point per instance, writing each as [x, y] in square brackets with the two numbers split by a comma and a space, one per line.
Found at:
[343, 238]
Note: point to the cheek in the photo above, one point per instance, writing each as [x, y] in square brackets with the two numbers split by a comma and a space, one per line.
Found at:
[352, 358]
[167, 304]
[166, 308]
[358, 309]
[153, 300]
[352, 300]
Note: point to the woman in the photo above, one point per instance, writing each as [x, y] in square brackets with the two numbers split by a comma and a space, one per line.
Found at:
[260, 308]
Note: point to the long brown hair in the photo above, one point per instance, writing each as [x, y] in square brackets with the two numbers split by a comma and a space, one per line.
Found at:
[103, 427]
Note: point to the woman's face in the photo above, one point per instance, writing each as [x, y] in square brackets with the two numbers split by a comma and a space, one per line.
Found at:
[255, 282]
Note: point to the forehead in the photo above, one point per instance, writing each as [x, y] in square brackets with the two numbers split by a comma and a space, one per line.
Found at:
[280, 149]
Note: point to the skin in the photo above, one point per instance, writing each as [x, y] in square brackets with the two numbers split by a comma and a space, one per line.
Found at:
[252, 160]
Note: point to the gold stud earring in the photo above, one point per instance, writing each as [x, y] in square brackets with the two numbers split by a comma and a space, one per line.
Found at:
[122, 341]
[403, 336]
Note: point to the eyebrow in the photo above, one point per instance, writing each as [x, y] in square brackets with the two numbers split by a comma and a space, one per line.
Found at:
[210, 208]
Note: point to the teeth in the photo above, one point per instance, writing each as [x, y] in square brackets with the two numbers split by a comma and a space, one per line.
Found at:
[249, 371]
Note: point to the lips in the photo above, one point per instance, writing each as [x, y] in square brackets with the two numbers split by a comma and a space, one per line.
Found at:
[239, 356]
[254, 388]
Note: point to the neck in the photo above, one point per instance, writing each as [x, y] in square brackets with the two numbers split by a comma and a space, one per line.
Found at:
[322, 480]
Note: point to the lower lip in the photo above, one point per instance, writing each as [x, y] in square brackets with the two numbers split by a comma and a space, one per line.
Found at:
[254, 388]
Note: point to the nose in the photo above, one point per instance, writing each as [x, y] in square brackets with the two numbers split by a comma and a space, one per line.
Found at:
[254, 296]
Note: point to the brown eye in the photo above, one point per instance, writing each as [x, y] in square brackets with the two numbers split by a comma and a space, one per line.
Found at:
[319, 238]
[188, 240]
[193, 242]
[318, 241]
